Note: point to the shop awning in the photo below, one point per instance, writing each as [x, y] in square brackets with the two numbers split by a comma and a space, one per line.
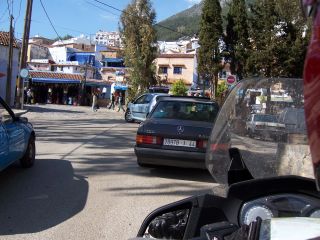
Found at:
[97, 84]
[113, 60]
[55, 80]
[122, 88]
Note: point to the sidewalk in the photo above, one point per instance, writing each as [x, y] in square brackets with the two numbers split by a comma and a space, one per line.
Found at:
[60, 112]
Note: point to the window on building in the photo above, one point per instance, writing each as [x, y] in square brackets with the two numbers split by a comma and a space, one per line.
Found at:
[163, 70]
[177, 70]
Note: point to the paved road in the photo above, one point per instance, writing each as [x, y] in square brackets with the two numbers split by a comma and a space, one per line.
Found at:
[86, 183]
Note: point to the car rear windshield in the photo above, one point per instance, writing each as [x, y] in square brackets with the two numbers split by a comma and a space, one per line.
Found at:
[265, 118]
[193, 111]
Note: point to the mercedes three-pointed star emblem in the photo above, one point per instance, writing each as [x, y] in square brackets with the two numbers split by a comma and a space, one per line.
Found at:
[180, 129]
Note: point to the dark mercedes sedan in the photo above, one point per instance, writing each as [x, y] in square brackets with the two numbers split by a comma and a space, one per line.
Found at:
[176, 132]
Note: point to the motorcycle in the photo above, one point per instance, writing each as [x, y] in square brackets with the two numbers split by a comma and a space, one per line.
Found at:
[270, 182]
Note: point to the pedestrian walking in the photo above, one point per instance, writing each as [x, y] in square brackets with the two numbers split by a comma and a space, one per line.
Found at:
[29, 96]
[94, 102]
[112, 101]
[121, 102]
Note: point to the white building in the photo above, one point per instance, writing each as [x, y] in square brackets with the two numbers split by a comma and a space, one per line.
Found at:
[82, 39]
[108, 38]
[60, 54]
[4, 53]
[182, 46]
[74, 67]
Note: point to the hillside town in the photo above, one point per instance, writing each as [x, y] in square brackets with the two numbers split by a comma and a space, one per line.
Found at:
[60, 71]
[145, 119]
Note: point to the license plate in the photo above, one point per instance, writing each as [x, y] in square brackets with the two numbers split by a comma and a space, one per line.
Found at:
[179, 143]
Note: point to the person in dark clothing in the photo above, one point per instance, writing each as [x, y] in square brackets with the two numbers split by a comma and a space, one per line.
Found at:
[112, 101]
[121, 102]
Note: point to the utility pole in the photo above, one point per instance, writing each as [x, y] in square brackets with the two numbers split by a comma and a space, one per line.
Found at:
[9, 66]
[24, 49]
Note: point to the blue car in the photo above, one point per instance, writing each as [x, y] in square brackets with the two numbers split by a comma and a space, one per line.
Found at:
[17, 138]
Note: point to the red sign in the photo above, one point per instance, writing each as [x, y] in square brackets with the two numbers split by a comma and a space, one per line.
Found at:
[231, 79]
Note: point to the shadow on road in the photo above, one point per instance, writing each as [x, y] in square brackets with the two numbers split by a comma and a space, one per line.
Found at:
[35, 199]
[51, 109]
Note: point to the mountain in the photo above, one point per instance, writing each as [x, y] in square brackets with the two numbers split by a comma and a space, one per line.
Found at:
[185, 23]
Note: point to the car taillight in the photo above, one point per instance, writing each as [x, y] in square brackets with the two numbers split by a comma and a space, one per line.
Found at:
[202, 144]
[259, 126]
[147, 139]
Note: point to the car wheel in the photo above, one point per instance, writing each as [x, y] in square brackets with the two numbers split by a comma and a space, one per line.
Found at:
[29, 156]
[128, 116]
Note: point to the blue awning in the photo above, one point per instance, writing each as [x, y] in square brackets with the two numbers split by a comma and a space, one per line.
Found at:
[121, 88]
[113, 60]
[97, 84]
[55, 80]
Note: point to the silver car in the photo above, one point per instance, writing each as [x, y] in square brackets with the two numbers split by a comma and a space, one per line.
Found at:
[141, 106]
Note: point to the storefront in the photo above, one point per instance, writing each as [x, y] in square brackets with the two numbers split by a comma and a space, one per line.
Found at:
[55, 91]
[102, 89]
[55, 88]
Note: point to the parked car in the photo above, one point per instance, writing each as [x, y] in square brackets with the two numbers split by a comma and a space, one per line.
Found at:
[176, 132]
[17, 138]
[141, 106]
[295, 124]
[263, 125]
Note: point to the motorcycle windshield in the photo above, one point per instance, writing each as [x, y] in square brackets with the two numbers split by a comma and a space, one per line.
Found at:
[264, 119]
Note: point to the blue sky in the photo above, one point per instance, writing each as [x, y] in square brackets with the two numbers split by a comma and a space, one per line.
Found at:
[77, 17]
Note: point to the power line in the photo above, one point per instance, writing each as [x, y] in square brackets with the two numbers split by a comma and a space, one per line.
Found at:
[50, 20]
[102, 8]
[122, 11]
[8, 6]
[18, 14]
[57, 26]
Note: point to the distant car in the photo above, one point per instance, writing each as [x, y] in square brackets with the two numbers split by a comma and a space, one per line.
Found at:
[176, 132]
[159, 89]
[141, 106]
[17, 138]
[294, 120]
[263, 125]
[295, 124]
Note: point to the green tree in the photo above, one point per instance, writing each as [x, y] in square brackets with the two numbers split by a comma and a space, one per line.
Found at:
[209, 37]
[263, 31]
[139, 38]
[279, 39]
[237, 38]
[293, 38]
[179, 88]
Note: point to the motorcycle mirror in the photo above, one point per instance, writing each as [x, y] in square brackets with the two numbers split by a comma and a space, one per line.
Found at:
[167, 222]
[238, 171]
[309, 8]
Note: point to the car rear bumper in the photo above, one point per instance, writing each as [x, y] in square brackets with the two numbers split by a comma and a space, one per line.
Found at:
[170, 157]
[267, 132]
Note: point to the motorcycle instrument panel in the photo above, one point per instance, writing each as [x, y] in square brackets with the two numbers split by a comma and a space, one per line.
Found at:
[282, 205]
